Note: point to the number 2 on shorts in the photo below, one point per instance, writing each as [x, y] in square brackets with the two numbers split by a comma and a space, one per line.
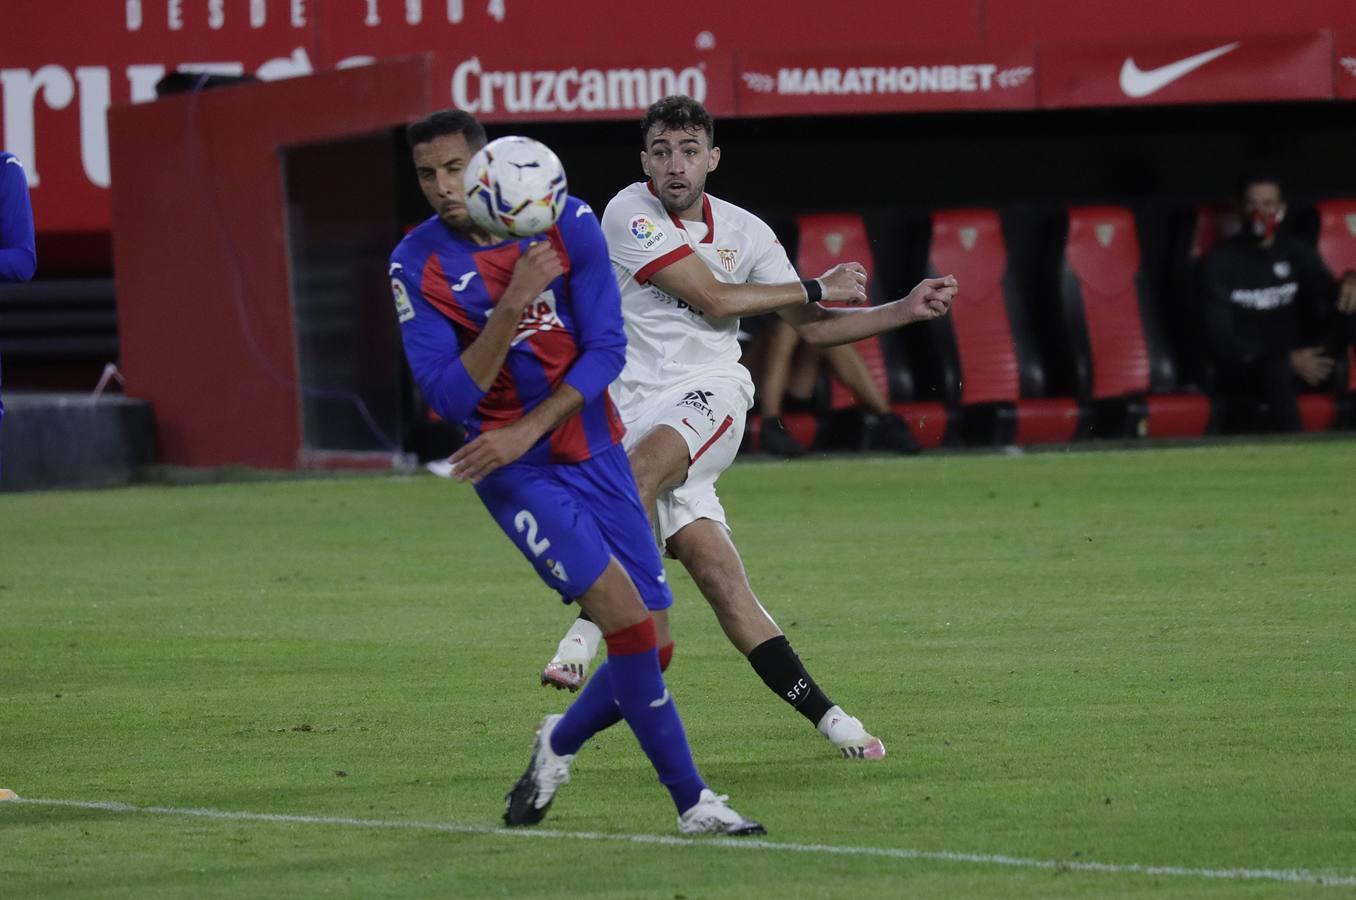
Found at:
[526, 522]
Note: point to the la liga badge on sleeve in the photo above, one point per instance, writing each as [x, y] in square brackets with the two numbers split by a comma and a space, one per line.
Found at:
[647, 233]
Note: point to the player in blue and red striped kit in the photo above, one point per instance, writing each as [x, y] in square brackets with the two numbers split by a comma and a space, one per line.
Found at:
[518, 340]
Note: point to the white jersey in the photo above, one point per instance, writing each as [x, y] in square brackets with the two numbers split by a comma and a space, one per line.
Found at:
[669, 343]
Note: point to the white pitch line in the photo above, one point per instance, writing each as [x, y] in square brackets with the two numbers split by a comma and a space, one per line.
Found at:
[1292, 876]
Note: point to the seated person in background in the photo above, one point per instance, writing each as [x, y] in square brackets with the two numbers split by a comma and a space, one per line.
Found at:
[788, 381]
[1273, 313]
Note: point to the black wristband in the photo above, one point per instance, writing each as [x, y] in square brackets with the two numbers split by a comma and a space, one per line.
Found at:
[814, 291]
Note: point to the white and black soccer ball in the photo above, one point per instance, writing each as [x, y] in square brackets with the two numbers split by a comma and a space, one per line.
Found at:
[515, 187]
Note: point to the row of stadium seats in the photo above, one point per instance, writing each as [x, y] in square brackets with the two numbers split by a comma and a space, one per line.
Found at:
[1068, 293]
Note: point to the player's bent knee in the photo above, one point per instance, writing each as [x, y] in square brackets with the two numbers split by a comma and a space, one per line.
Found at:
[612, 601]
[659, 461]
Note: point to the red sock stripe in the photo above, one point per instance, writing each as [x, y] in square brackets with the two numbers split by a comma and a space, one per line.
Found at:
[665, 656]
[639, 638]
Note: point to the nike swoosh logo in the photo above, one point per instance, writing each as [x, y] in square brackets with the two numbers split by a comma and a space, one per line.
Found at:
[655, 704]
[465, 280]
[1137, 83]
[689, 425]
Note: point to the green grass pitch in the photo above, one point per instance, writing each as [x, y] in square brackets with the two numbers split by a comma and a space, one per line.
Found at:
[1138, 659]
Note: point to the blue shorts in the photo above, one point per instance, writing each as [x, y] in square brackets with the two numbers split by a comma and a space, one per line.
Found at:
[570, 519]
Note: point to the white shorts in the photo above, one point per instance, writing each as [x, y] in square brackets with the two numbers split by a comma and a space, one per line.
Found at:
[709, 414]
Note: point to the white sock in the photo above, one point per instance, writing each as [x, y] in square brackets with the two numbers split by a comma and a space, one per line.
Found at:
[581, 632]
[824, 721]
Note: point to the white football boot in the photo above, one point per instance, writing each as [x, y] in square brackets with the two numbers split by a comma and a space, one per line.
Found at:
[569, 668]
[847, 734]
[712, 816]
[530, 798]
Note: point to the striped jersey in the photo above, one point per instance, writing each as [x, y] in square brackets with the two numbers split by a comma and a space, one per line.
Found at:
[445, 286]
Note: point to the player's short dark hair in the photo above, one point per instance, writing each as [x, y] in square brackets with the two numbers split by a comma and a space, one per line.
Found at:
[680, 112]
[1260, 176]
[443, 122]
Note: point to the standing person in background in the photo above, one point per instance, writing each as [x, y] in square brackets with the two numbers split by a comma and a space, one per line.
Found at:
[18, 255]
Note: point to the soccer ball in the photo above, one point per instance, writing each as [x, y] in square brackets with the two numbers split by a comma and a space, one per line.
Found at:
[515, 187]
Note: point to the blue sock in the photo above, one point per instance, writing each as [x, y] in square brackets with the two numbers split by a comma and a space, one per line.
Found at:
[638, 687]
[594, 710]
[633, 678]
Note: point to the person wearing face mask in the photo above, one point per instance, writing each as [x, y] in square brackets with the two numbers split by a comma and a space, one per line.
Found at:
[1274, 315]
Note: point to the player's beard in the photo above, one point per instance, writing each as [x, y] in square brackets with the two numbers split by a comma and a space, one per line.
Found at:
[459, 220]
[677, 204]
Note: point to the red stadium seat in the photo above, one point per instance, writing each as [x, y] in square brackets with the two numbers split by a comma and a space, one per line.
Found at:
[1124, 369]
[996, 388]
[1213, 224]
[1318, 412]
[829, 239]
[1337, 246]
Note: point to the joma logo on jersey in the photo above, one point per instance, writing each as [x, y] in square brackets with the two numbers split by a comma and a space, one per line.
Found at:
[540, 315]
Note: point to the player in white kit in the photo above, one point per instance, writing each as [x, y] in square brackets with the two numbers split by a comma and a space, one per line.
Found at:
[689, 265]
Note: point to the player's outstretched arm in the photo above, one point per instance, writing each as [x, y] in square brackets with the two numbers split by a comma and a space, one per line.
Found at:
[598, 327]
[827, 327]
[690, 280]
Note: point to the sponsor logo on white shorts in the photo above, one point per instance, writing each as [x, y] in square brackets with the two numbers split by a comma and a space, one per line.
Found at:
[701, 402]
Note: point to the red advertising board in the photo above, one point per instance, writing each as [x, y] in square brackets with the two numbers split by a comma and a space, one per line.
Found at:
[1044, 22]
[605, 87]
[1345, 74]
[510, 58]
[513, 60]
[1204, 70]
[791, 82]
